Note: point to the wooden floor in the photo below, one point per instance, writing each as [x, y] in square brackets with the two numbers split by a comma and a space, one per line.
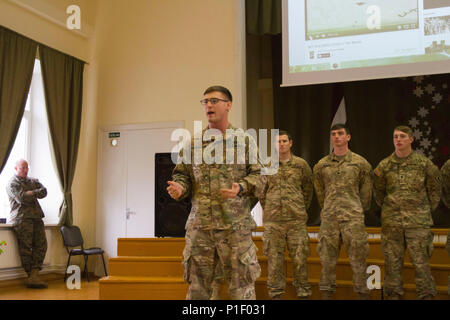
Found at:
[56, 290]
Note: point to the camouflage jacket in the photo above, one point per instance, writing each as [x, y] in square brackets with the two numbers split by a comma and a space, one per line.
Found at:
[445, 172]
[343, 186]
[203, 181]
[407, 190]
[25, 206]
[288, 193]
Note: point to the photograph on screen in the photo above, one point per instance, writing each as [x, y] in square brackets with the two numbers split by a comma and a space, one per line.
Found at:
[340, 18]
[436, 29]
[437, 25]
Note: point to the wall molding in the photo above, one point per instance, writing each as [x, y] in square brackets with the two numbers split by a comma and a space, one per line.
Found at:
[52, 14]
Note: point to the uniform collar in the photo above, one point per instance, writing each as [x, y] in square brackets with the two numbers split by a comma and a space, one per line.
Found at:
[20, 178]
[348, 156]
[230, 127]
[395, 159]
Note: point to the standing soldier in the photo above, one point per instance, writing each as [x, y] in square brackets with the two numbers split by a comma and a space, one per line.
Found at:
[408, 189]
[220, 223]
[26, 218]
[445, 170]
[343, 184]
[286, 196]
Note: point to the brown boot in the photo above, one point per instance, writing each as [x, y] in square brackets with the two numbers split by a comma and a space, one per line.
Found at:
[327, 295]
[216, 286]
[363, 296]
[392, 296]
[277, 297]
[34, 281]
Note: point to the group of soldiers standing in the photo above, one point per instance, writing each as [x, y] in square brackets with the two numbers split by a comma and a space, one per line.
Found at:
[406, 185]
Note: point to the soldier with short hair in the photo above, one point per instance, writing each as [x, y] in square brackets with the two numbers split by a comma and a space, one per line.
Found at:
[26, 218]
[407, 188]
[343, 184]
[445, 172]
[286, 197]
[220, 223]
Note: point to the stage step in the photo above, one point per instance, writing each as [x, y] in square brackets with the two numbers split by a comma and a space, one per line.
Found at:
[150, 268]
[174, 288]
[171, 266]
[174, 247]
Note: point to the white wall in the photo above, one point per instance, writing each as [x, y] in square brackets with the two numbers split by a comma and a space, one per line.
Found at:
[10, 265]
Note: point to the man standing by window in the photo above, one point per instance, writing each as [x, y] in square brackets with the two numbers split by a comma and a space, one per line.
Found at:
[26, 217]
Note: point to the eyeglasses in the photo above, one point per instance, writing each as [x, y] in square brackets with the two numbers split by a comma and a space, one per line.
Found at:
[212, 100]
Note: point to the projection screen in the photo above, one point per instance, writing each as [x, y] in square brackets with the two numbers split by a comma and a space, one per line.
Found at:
[346, 40]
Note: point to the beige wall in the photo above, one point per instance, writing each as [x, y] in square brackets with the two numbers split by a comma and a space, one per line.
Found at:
[156, 58]
[149, 61]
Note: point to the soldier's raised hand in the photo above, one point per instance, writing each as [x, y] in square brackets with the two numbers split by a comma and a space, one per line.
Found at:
[174, 189]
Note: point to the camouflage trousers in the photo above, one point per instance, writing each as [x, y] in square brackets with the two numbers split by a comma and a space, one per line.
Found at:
[217, 282]
[32, 243]
[447, 246]
[236, 253]
[419, 241]
[275, 238]
[354, 236]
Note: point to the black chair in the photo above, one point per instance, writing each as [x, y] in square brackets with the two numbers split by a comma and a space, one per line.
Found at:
[72, 238]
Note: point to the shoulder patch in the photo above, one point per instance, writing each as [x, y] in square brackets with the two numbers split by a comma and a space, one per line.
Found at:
[377, 172]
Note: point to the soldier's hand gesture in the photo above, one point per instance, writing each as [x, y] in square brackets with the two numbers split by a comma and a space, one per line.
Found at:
[174, 189]
[231, 193]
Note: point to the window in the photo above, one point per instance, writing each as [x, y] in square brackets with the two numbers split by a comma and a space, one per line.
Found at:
[33, 144]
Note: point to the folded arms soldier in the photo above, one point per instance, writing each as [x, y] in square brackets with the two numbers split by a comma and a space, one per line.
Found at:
[26, 217]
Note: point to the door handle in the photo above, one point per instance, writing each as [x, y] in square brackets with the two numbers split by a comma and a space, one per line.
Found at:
[128, 213]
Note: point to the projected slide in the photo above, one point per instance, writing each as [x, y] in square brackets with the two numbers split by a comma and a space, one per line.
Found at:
[345, 34]
[339, 18]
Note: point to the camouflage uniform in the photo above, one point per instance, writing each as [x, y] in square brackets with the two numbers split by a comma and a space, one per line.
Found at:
[344, 190]
[26, 217]
[445, 171]
[287, 195]
[219, 229]
[407, 190]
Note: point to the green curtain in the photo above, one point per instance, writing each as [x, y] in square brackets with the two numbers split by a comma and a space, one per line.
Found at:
[263, 16]
[17, 56]
[63, 87]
